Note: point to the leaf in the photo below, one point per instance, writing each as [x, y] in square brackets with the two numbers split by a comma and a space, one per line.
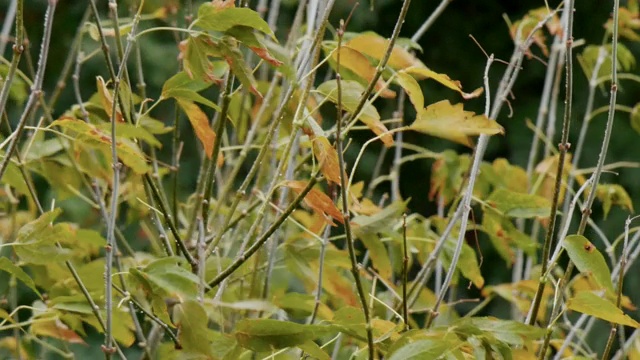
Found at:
[57, 330]
[451, 122]
[318, 201]
[588, 260]
[327, 158]
[375, 46]
[167, 276]
[107, 100]
[591, 304]
[248, 38]
[266, 335]
[519, 205]
[613, 194]
[8, 266]
[505, 236]
[223, 15]
[132, 132]
[200, 123]
[195, 53]
[412, 88]
[358, 64]
[234, 57]
[351, 93]
[89, 135]
[510, 332]
[444, 79]
[192, 321]
[182, 87]
[302, 304]
[36, 241]
[421, 349]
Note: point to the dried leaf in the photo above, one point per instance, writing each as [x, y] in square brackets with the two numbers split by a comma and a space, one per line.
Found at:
[200, 123]
[327, 159]
[318, 201]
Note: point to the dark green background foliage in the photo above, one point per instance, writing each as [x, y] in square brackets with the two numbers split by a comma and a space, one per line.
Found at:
[447, 48]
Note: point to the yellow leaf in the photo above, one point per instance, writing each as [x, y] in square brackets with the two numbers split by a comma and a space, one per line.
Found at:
[412, 88]
[591, 304]
[374, 45]
[357, 63]
[106, 99]
[200, 122]
[318, 201]
[327, 158]
[444, 79]
[351, 93]
[451, 122]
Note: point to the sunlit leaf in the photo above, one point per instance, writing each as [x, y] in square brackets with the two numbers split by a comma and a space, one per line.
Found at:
[591, 304]
[519, 205]
[451, 122]
[588, 259]
[318, 201]
[351, 93]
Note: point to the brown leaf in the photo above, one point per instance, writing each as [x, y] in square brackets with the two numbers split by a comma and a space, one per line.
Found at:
[318, 201]
[200, 123]
[327, 158]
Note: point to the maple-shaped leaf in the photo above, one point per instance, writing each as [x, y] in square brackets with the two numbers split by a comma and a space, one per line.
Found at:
[195, 53]
[453, 123]
[318, 201]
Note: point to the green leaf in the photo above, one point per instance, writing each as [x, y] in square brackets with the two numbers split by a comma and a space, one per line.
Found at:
[591, 304]
[452, 122]
[19, 90]
[511, 332]
[588, 260]
[351, 93]
[367, 228]
[192, 321]
[182, 87]
[168, 276]
[8, 266]
[311, 348]
[518, 205]
[195, 53]
[265, 335]
[132, 132]
[214, 17]
[235, 59]
[505, 236]
[249, 39]
[36, 241]
[421, 349]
